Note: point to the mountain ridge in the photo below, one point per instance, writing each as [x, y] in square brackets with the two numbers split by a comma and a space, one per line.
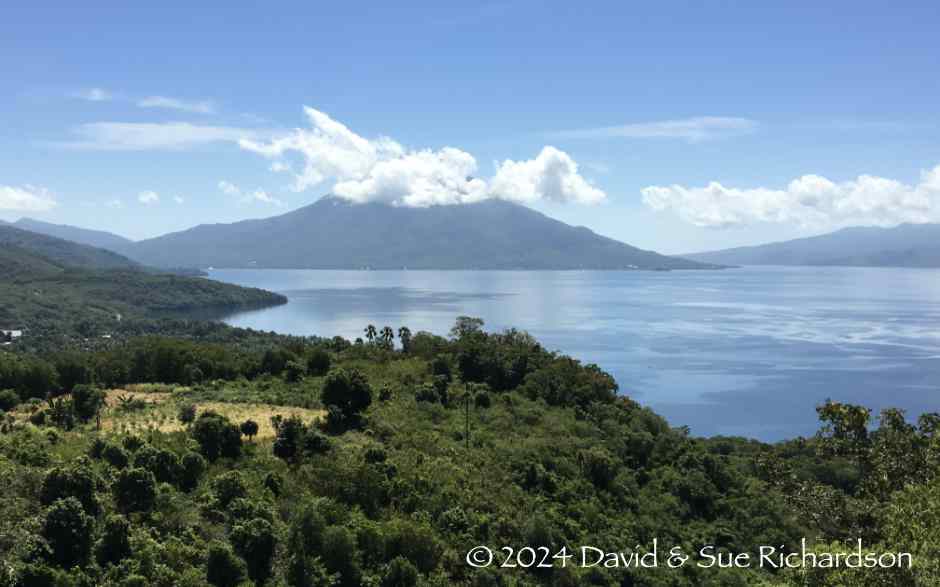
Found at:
[84, 236]
[332, 233]
[904, 245]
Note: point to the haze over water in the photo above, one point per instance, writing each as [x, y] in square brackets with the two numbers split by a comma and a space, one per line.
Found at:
[748, 351]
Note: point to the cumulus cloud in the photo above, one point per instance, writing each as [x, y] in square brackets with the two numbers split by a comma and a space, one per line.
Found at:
[92, 95]
[114, 203]
[27, 198]
[382, 170]
[197, 107]
[148, 198]
[248, 196]
[143, 136]
[694, 129]
[178, 199]
[809, 201]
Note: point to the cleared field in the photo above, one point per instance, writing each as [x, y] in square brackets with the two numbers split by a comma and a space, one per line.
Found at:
[160, 409]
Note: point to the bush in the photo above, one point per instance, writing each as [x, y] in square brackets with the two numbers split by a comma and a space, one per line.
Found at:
[135, 490]
[164, 464]
[217, 436]
[339, 554]
[290, 433]
[223, 567]
[187, 414]
[294, 371]
[68, 530]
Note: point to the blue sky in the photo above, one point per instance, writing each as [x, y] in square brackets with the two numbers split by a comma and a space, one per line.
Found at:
[128, 116]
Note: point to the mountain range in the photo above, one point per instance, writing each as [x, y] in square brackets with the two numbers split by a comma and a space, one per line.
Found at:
[333, 233]
[905, 245]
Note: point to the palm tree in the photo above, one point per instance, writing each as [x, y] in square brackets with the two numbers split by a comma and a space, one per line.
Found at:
[404, 335]
[388, 335]
[371, 332]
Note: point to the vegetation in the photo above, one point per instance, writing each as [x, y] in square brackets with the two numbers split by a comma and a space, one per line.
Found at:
[170, 461]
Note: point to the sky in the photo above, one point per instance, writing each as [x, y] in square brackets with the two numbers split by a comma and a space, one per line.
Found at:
[673, 126]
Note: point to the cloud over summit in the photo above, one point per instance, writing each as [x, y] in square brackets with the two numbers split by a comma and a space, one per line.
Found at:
[382, 170]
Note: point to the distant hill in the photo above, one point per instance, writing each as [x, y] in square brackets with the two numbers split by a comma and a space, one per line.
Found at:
[50, 285]
[62, 251]
[906, 245]
[335, 234]
[84, 236]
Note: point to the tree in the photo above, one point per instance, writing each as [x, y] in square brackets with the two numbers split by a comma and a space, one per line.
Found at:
[164, 464]
[249, 428]
[294, 371]
[191, 469]
[339, 554]
[114, 544]
[77, 481]
[388, 337]
[9, 399]
[68, 530]
[87, 401]
[370, 333]
[400, 573]
[290, 433]
[135, 490]
[404, 335]
[275, 360]
[318, 363]
[255, 542]
[348, 390]
[223, 567]
[217, 436]
[228, 487]
[465, 326]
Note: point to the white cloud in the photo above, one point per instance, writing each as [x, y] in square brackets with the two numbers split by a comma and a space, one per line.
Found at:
[143, 136]
[178, 199]
[27, 198]
[114, 203]
[92, 95]
[198, 107]
[246, 197]
[382, 170]
[809, 201]
[148, 198]
[698, 128]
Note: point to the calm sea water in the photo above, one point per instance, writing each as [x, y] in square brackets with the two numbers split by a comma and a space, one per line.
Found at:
[747, 351]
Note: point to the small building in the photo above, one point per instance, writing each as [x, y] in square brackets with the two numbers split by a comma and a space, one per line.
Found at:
[11, 334]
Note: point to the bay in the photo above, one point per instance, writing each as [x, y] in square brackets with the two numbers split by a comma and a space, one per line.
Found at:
[749, 351]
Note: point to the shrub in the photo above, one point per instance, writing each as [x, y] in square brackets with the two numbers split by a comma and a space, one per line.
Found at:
[135, 490]
[68, 530]
[339, 554]
[290, 433]
[115, 456]
[294, 371]
[187, 414]
[164, 465]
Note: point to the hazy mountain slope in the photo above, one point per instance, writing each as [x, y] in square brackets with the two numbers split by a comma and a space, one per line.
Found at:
[333, 234]
[62, 251]
[906, 245]
[84, 236]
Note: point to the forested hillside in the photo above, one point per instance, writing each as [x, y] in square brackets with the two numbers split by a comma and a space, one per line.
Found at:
[306, 462]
